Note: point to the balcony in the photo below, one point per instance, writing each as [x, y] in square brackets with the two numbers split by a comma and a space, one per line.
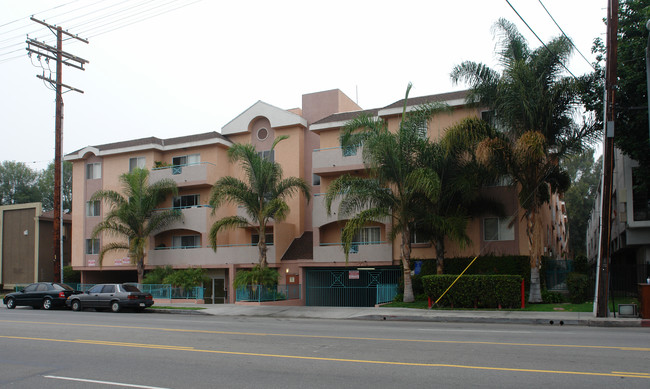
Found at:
[205, 256]
[319, 213]
[336, 160]
[195, 218]
[190, 175]
[370, 252]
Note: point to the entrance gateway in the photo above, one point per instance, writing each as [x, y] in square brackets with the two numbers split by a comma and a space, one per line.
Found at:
[351, 286]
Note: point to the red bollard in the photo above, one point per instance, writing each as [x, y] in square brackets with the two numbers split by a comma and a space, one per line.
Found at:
[523, 295]
[429, 299]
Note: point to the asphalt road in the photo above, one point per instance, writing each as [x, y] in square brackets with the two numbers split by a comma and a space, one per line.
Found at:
[64, 349]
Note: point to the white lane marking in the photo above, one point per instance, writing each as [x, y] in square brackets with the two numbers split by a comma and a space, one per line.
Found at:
[102, 382]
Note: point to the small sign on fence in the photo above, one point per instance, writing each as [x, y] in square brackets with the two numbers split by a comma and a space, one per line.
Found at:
[353, 274]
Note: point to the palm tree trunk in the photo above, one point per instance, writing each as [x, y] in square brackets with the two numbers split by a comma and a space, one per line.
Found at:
[440, 254]
[535, 293]
[262, 248]
[140, 268]
[406, 256]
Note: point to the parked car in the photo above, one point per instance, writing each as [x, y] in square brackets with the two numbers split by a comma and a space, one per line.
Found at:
[46, 295]
[113, 296]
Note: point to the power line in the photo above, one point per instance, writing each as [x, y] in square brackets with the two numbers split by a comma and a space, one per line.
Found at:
[47, 10]
[565, 35]
[539, 39]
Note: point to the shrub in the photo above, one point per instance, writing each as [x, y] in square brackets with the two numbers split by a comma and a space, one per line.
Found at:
[256, 276]
[552, 297]
[186, 278]
[157, 275]
[475, 291]
[71, 276]
[579, 287]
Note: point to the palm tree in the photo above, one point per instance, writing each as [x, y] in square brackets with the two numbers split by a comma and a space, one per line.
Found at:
[398, 184]
[534, 104]
[263, 196]
[461, 179]
[133, 216]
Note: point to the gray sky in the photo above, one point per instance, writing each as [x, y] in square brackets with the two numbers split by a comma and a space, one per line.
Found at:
[199, 64]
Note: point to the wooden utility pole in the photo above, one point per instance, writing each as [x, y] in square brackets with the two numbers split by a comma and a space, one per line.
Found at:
[62, 58]
[608, 160]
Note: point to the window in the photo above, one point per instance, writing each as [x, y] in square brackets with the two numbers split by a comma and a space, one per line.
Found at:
[108, 289]
[349, 151]
[93, 208]
[31, 288]
[137, 162]
[269, 155]
[418, 236]
[315, 180]
[41, 288]
[422, 129]
[190, 159]
[368, 235]
[640, 198]
[255, 239]
[92, 246]
[262, 133]
[186, 241]
[96, 289]
[495, 228]
[185, 201]
[93, 171]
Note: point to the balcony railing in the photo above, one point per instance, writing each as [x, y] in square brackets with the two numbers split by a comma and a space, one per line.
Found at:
[193, 174]
[380, 251]
[204, 255]
[336, 159]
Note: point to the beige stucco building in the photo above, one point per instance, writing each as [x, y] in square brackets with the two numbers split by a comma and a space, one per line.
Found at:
[308, 241]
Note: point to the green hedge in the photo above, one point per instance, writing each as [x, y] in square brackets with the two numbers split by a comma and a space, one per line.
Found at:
[580, 288]
[475, 291]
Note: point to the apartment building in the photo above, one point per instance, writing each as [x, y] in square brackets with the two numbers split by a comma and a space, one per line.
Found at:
[306, 247]
[26, 246]
[630, 232]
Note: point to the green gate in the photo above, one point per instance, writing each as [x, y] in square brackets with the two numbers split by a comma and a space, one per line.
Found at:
[556, 273]
[351, 287]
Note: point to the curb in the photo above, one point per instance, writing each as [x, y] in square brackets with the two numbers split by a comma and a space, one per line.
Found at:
[179, 311]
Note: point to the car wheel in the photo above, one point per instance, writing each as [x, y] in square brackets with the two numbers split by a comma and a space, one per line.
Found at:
[47, 303]
[76, 305]
[115, 306]
[11, 303]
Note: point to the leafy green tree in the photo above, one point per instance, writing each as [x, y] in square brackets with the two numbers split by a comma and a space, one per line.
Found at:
[263, 196]
[186, 278]
[398, 183]
[585, 178]
[46, 186]
[534, 104]
[631, 132]
[18, 183]
[134, 216]
[265, 276]
[461, 179]
[157, 275]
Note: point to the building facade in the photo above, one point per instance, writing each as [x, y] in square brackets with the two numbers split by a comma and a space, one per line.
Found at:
[630, 232]
[26, 245]
[308, 243]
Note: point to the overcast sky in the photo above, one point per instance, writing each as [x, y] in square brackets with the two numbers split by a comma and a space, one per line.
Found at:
[199, 64]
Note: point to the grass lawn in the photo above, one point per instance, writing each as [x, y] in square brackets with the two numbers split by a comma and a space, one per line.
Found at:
[568, 307]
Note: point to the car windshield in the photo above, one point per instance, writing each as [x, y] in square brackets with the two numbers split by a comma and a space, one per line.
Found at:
[130, 288]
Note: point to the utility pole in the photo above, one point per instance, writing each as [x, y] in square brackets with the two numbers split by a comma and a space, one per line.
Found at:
[608, 160]
[62, 58]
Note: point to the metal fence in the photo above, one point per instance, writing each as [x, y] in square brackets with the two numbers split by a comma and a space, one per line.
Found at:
[352, 287]
[261, 293]
[556, 273]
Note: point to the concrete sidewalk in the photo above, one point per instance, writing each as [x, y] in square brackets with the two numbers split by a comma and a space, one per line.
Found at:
[408, 314]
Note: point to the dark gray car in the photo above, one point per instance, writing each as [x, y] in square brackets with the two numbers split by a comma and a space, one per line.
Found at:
[113, 296]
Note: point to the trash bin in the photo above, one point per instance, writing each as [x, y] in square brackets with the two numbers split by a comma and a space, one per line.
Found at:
[644, 300]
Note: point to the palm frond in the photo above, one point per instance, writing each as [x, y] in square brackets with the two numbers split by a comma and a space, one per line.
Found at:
[230, 222]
